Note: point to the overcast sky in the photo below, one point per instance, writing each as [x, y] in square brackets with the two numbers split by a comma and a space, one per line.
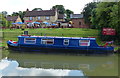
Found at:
[21, 5]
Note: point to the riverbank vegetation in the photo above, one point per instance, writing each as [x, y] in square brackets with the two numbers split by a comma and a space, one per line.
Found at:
[104, 15]
[8, 34]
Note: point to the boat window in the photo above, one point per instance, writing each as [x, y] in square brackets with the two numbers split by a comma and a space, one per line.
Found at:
[47, 41]
[29, 40]
[66, 42]
[84, 42]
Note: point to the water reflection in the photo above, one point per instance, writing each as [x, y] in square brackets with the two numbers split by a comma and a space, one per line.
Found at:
[66, 65]
[11, 68]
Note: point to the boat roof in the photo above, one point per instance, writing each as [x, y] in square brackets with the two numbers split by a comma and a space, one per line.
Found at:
[85, 38]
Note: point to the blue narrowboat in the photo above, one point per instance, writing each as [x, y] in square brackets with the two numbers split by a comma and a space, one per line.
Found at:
[58, 44]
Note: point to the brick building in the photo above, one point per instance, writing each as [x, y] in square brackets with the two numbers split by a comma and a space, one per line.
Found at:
[78, 21]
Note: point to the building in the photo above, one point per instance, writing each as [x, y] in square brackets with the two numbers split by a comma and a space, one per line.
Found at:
[50, 16]
[14, 19]
[61, 18]
[78, 21]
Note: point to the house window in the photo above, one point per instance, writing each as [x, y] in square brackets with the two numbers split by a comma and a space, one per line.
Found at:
[47, 18]
[80, 23]
[47, 41]
[66, 42]
[84, 42]
[38, 18]
[31, 18]
[29, 40]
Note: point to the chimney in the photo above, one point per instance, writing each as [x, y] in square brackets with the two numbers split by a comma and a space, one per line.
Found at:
[27, 10]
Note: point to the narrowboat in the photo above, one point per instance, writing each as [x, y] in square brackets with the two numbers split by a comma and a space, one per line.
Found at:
[58, 44]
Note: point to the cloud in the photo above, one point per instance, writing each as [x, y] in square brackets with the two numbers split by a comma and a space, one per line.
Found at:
[4, 64]
[10, 68]
[21, 5]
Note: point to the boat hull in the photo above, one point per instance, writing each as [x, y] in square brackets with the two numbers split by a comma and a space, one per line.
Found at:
[58, 50]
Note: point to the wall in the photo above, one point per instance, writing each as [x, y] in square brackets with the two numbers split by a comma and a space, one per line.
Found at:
[18, 19]
[79, 23]
[42, 18]
[61, 20]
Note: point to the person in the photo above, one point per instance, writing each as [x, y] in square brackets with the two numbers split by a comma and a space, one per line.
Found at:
[59, 25]
[69, 25]
[22, 27]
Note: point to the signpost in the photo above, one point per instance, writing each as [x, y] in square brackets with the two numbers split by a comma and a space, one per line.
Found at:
[108, 31]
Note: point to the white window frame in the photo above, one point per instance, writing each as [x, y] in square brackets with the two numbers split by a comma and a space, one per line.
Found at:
[29, 40]
[46, 41]
[66, 41]
[84, 42]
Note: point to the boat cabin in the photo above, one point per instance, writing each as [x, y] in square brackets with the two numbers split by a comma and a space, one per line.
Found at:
[57, 41]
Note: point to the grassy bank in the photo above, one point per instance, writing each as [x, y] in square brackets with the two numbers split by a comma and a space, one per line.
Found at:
[79, 32]
[8, 34]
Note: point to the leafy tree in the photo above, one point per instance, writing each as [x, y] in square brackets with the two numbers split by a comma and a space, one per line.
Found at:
[106, 15]
[117, 18]
[15, 14]
[20, 13]
[114, 17]
[103, 11]
[4, 13]
[60, 8]
[37, 9]
[4, 22]
[87, 11]
[93, 19]
[68, 12]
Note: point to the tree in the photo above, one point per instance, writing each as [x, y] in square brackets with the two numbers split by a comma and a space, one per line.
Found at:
[15, 14]
[87, 11]
[115, 20]
[103, 11]
[4, 13]
[114, 16]
[106, 15]
[93, 19]
[4, 22]
[37, 9]
[20, 13]
[60, 8]
[68, 12]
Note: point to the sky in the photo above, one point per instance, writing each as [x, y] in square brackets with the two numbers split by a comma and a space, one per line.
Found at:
[21, 5]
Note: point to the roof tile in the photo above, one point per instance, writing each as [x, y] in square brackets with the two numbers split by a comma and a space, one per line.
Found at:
[76, 16]
[40, 13]
[11, 18]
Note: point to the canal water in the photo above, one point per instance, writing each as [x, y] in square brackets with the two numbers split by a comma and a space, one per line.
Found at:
[46, 64]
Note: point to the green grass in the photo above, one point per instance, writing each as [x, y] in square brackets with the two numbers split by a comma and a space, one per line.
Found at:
[66, 32]
[58, 31]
